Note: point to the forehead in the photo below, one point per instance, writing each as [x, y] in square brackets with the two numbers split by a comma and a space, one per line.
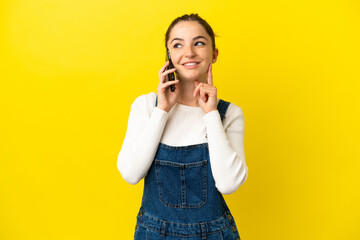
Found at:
[188, 29]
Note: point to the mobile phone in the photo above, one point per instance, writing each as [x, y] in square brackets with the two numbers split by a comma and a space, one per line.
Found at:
[171, 76]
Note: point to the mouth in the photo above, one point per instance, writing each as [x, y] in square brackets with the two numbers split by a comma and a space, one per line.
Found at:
[190, 65]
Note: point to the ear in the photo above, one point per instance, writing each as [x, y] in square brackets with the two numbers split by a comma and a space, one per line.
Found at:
[215, 55]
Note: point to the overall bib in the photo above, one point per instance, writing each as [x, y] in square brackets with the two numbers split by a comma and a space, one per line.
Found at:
[180, 200]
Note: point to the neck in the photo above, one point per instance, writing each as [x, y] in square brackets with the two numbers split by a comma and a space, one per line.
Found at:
[186, 96]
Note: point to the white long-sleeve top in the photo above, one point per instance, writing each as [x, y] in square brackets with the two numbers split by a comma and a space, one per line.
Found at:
[183, 126]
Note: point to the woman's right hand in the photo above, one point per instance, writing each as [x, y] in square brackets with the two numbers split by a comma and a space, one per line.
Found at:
[166, 98]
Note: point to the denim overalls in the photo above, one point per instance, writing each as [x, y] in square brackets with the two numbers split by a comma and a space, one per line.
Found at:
[180, 200]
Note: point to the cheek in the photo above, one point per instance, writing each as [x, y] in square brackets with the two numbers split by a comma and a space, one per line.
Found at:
[176, 58]
[207, 55]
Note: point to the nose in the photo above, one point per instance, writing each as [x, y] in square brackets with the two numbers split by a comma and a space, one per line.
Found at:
[189, 52]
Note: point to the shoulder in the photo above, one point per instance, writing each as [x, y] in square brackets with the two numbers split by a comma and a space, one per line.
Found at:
[233, 114]
[234, 109]
[144, 104]
[145, 100]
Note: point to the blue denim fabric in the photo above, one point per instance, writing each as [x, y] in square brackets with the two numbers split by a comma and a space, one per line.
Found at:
[180, 200]
[150, 228]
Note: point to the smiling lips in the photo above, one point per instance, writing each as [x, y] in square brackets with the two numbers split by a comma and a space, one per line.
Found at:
[190, 65]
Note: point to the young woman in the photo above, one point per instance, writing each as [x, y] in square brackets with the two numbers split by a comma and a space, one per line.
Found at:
[187, 144]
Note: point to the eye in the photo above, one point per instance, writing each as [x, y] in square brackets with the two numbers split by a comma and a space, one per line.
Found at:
[177, 45]
[199, 44]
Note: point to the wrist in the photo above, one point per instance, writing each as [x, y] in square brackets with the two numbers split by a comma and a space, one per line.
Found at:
[212, 118]
[209, 110]
[163, 108]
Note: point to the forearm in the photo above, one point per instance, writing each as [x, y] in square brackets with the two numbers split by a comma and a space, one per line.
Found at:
[227, 163]
[140, 145]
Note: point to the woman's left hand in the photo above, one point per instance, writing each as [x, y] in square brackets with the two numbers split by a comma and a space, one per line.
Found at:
[207, 93]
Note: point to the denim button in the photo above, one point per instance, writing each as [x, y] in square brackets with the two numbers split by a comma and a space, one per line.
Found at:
[234, 228]
[229, 216]
[140, 214]
[136, 226]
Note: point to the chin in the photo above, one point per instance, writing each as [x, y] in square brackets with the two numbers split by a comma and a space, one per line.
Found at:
[191, 78]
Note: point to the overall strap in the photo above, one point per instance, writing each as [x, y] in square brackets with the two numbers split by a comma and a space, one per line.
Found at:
[222, 108]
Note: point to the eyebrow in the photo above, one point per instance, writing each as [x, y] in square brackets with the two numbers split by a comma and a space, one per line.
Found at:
[195, 38]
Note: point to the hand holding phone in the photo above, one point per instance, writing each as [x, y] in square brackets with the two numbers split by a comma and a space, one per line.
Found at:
[171, 76]
[166, 98]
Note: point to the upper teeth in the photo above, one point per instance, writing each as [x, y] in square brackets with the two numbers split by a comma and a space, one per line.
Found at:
[190, 63]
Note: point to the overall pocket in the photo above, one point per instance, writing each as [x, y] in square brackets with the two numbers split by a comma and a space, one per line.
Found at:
[182, 185]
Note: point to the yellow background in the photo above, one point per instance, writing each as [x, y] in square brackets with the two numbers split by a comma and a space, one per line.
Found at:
[70, 70]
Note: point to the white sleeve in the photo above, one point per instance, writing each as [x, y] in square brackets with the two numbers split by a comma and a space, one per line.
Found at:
[145, 127]
[226, 148]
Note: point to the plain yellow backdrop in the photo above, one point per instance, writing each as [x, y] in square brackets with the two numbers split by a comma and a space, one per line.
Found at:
[70, 70]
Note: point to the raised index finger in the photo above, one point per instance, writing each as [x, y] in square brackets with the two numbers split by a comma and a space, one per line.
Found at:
[210, 78]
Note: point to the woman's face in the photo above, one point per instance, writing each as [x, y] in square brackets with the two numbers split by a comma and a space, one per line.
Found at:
[191, 50]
